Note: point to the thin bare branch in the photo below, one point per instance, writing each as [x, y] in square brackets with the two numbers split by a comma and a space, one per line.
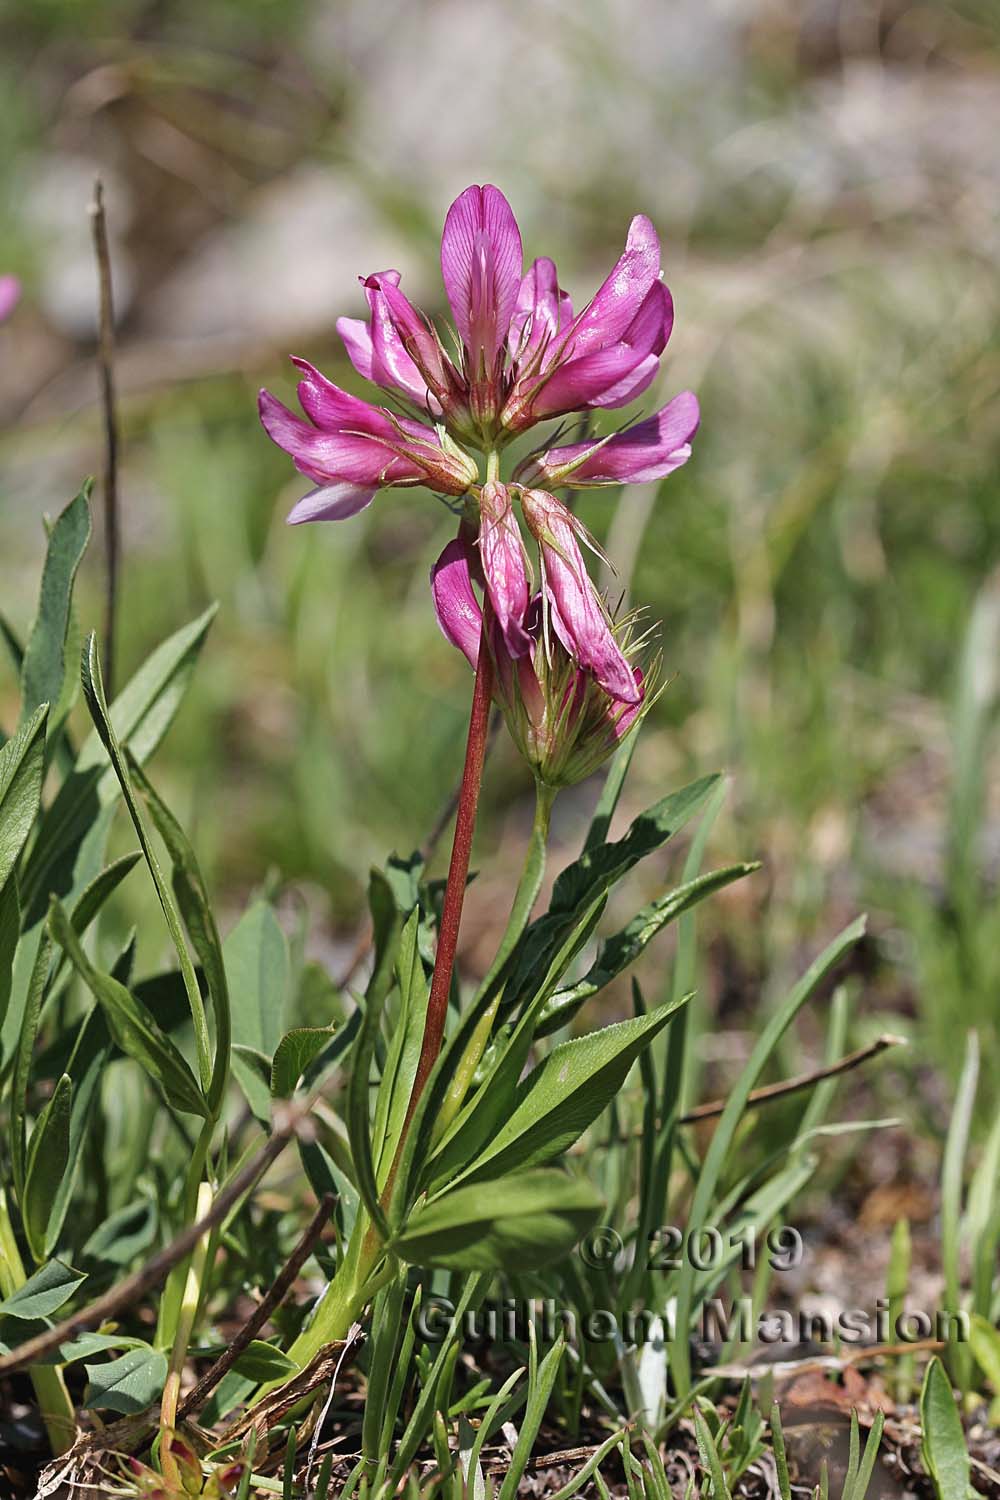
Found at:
[772, 1091]
[105, 365]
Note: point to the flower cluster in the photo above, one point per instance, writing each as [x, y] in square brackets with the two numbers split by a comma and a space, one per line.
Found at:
[566, 678]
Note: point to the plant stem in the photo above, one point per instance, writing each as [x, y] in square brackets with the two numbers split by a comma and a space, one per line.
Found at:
[53, 1398]
[344, 1299]
[520, 914]
[182, 1335]
[458, 873]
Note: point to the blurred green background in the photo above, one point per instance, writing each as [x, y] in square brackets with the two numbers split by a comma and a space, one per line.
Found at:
[825, 179]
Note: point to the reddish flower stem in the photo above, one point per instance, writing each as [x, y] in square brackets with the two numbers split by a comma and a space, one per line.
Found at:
[458, 872]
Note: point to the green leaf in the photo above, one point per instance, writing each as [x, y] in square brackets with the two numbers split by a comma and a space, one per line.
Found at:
[528, 887]
[709, 1455]
[140, 716]
[22, 764]
[527, 1220]
[10, 929]
[252, 1071]
[945, 1454]
[256, 958]
[984, 1341]
[22, 1062]
[357, 1113]
[621, 950]
[404, 1049]
[480, 1119]
[43, 1293]
[128, 1384]
[135, 1031]
[86, 1344]
[259, 1361]
[541, 1381]
[48, 1158]
[123, 1235]
[952, 1175]
[89, 904]
[43, 669]
[603, 865]
[562, 1096]
[196, 909]
[294, 1053]
[70, 882]
[591, 876]
[101, 889]
[600, 823]
[93, 691]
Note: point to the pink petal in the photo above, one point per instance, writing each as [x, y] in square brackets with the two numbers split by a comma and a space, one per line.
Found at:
[630, 386]
[417, 338]
[577, 614]
[502, 554]
[333, 409]
[455, 604]
[650, 329]
[543, 311]
[332, 457]
[619, 298]
[649, 450]
[582, 382]
[334, 502]
[356, 335]
[481, 267]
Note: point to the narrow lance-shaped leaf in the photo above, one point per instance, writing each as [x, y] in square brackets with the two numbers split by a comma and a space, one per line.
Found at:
[199, 919]
[22, 764]
[43, 669]
[132, 1027]
[526, 1220]
[93, 691]
[945, 1453]
[482, 1116]
[48, 1158]
[256, 959]
[10, 928]
[565, 1094]
[624, 947]
[140, 715]
[595, 872]
[404, 1050]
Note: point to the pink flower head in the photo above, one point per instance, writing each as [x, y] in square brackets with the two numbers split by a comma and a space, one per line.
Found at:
[561, 719]
[350, 449]
[647, 451]
[10, 293]
[577, 611]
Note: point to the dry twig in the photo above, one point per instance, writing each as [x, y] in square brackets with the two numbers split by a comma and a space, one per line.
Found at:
[772, 1091]
[105, 365]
